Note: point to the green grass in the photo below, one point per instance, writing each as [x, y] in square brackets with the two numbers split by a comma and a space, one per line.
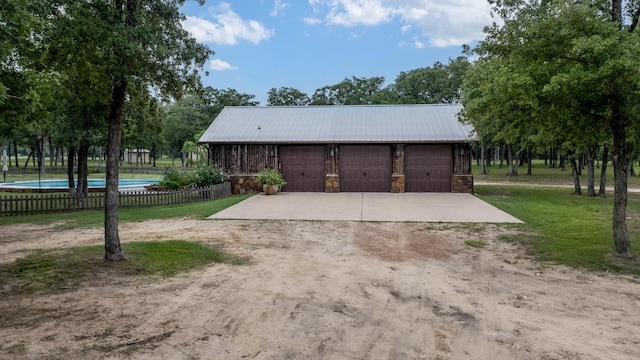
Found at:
[543, 175]
[66, 269]
[568, 229]
[161, 162]
[475, 243]
[168, 258]
[75, 220]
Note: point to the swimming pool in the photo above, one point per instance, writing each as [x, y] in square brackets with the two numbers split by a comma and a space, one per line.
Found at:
[95, 185]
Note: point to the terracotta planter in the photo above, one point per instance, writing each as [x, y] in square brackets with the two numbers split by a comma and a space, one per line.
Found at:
[271, 189]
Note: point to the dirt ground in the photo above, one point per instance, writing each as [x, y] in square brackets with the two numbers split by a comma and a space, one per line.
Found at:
[325, 290]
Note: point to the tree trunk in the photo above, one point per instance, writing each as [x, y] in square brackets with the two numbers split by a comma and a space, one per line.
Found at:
[52, 151]
[576, 178]
[113, 251]
[26, 163]
[483, 166]
[15, 153]
[546, 159]
[154, 149]
[529, 155]
[512, 167]
[43, 164]
[603, 172]
[100, 159]
[70, 166]
[580, 164]
[621, 245]
[591, 157]
[83, 189]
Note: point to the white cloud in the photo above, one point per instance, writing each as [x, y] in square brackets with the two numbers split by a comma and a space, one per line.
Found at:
[442, 22]
[448, 22]
[228, 29]
[312, 21]
[220, 65]
[418, 44]
[359, 12]
[278, 6]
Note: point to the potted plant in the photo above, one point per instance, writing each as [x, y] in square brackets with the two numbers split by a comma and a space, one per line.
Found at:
[271, 181]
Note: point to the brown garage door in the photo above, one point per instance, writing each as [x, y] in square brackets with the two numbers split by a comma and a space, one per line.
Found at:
[428, 168]
[303, 168]
[365, 168]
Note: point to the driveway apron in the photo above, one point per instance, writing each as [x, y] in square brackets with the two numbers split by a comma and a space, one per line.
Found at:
[418, 207]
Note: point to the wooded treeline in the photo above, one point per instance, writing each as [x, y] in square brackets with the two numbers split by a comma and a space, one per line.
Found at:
[562, 76]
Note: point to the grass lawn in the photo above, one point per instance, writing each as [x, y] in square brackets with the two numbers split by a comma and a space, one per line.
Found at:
[164, 161]
[65, 269]
[567, 229]
[543, 175]
[74, 220]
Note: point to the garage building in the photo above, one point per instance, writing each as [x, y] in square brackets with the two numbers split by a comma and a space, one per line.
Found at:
[362, 148]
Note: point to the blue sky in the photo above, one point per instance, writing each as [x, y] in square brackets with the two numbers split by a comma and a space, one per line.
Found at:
[307, 44]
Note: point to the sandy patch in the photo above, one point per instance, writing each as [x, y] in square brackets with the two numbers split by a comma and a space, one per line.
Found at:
[325, 290]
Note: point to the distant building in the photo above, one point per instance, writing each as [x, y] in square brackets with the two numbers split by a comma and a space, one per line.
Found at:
[137, 156]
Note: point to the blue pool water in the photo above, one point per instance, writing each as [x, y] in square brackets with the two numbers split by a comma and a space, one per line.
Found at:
[64, 184]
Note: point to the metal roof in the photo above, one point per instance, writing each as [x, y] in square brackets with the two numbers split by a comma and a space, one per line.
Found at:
[338, 124]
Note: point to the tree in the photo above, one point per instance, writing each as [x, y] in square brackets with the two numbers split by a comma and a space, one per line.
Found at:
[17, 46]
[142, 121]
[583, 56]
[354, 91]
[133, 45]
[182, 120]
[500, 100]
[432, 85]
[151, 41]
[217, 99]
[192, 114]
[286, 96]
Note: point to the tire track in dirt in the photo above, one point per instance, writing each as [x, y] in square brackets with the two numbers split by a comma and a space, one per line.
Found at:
[332, 290]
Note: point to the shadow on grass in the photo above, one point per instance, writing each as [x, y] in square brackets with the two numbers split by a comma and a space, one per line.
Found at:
[66, 269]
[566, 229]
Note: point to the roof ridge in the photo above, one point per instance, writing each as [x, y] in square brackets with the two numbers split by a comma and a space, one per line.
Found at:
[338, 106]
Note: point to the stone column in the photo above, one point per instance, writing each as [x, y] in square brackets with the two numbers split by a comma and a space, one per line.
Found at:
[332, 179]
[397, 176]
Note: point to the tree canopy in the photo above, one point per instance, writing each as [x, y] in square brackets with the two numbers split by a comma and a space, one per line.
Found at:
[564, 70]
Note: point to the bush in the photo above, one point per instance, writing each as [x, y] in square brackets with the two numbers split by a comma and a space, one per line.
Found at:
[271, 177]
[174, 178]
[207, 176]
[170, 184]
[202, 176]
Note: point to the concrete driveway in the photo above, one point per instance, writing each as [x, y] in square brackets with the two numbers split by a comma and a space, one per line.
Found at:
[420, 207]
